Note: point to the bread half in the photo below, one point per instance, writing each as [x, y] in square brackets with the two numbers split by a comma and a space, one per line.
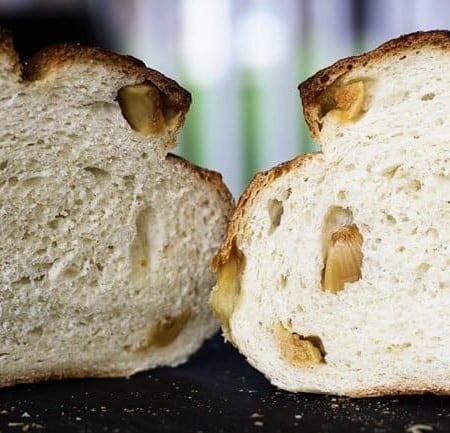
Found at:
[106, 240]
[335, 274]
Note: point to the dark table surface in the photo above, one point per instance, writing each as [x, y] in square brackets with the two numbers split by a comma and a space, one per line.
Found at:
[216, 391]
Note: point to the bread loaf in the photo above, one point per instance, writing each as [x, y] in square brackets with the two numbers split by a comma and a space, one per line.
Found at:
[335, 274]
[106, 240]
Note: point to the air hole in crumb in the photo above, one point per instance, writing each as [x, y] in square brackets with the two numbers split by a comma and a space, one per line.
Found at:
[98, 173]
[32, 181]
[349, 167]
[428, 96]
[342, 195]
[275, 209]
[53, 224]
[423, 268]
[391, 220]
[70, 272]
[400, 249]
[141, 246]
[415, 185]
[389, 172]
[432, 232]
[397, 134]
[283, 281]
[3, 164]
[36, 331]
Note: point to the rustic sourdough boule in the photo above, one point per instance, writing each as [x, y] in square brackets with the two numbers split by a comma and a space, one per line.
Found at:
[106, 240]
[335, 274]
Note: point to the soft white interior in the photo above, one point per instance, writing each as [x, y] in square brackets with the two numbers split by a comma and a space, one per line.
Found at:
[101, 236]
[388, 173]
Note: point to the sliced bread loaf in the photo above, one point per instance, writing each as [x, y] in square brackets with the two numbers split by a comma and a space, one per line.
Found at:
[335, 274]
[106, 240]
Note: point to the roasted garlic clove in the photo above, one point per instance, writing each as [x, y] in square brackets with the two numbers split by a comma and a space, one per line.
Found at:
[141, 105]
[298, 350]
[349, 101]
[344, 259]
[225, 295]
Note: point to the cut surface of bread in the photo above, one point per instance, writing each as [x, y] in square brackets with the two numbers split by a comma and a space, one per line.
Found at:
[335, 274]
[106, 240]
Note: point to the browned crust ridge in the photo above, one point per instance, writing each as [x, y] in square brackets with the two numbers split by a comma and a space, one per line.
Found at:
[398, 390]
[53, 58]
[65, 374]
[312, 88]
[258, 183]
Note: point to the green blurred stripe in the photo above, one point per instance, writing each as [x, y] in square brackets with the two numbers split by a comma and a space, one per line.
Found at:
[305, 66]
[192, 147]
[252, 128]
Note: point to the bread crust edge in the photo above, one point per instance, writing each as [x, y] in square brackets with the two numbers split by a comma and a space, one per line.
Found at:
[68, 374]
[257, 184]
[398, 391]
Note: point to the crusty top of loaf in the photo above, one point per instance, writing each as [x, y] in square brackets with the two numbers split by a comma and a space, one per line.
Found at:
[312, 88]
[51, 59]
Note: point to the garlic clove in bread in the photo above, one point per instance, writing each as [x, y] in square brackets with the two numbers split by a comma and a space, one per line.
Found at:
[346, 283]
[344, 259]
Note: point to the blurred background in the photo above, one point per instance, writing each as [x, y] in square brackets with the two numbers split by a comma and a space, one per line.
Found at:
[242, 60]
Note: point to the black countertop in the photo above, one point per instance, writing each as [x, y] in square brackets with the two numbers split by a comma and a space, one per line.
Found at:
[216, 391]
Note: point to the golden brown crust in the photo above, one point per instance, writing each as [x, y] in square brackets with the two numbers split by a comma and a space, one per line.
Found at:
[399, 390]
[312, 88]
[258, 183]
[64, 374]
[7, 50]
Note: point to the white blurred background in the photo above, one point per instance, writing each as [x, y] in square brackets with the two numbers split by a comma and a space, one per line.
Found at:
[242, 60]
